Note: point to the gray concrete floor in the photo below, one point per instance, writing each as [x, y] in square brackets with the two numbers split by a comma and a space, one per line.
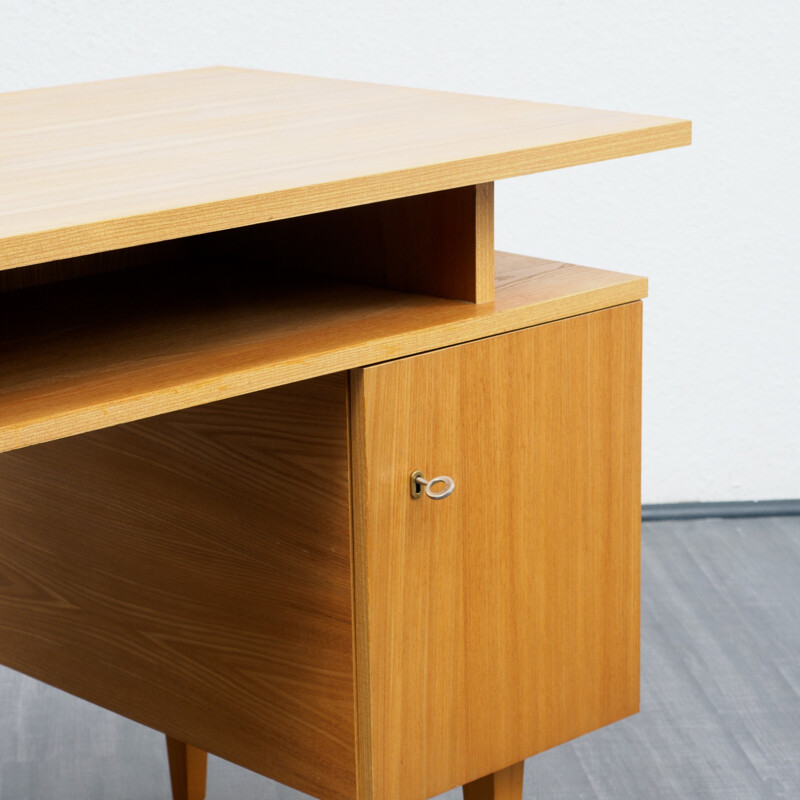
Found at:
[720, 696]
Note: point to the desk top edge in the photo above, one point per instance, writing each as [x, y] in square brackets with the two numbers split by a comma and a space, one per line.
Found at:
[114, 163]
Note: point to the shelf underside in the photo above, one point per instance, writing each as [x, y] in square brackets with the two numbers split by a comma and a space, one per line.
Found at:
[99, 351]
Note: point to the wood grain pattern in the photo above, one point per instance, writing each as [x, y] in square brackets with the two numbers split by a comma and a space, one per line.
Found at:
[483, 210]
[187, 770]
[193, 572]
[114, 348]
[505, 619]
[503, 785]
[439, 244]
[112, 164]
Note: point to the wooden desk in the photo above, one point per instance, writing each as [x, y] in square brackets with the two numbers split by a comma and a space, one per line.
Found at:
[238, 311]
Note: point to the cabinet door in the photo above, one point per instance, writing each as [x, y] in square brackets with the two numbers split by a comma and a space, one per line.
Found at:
[504, 619]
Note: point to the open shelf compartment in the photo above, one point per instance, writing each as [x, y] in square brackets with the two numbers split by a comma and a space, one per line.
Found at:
[106, 349]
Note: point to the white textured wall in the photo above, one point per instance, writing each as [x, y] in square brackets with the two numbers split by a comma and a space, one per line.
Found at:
[715, 226]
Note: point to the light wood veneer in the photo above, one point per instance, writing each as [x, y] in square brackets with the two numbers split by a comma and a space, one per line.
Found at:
[127, 345]
[112, 164]
[193, 572]
[503, 620]
[212, 555]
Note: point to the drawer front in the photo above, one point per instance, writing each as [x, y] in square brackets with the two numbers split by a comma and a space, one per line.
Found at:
[503, 619]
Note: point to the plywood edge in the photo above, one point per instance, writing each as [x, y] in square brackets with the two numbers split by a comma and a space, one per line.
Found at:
[233, 630]
[569, 388]
[94, 236]
[484, 243]
[363, 696]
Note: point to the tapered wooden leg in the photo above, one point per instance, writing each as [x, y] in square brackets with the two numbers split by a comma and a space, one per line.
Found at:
[503, 785]
[187, 770]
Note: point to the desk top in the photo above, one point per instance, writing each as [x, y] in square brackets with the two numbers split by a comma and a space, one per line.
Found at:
[100, 166]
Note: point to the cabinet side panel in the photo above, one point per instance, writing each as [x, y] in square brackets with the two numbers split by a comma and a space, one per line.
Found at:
[504, 619]
[192, 572]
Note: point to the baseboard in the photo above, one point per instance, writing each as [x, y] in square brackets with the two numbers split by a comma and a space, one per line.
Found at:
[747, 508]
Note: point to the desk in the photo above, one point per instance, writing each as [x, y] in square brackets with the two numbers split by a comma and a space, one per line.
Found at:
[239, 312]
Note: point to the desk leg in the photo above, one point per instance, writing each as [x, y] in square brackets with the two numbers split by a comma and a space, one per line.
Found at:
[187, 770]
[503, 785]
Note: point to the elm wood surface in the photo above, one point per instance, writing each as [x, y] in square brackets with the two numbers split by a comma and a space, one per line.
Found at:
[503, 785]
[505, 619]
[193, 572]
[100, 351]
[441, 244]
[111, 164]
[187, 770]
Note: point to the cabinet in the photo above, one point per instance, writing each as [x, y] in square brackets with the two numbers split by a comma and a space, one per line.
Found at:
[223, 358]
[484, 627]
[504, 619]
